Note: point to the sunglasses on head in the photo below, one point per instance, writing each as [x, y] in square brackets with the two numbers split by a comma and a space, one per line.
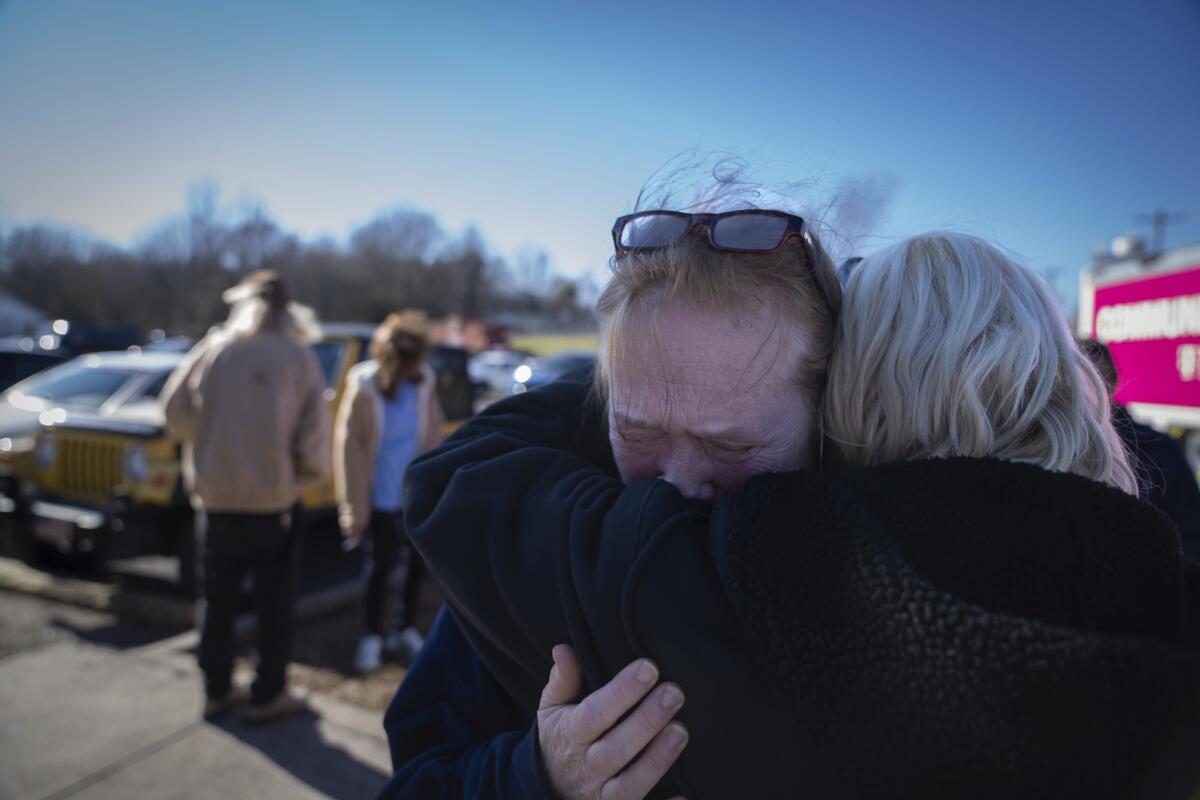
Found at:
[750, 231]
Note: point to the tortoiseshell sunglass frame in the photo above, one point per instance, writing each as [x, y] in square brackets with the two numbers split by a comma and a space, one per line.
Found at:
[796, 229]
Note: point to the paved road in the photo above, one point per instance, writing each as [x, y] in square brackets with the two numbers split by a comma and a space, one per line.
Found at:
[96, 708]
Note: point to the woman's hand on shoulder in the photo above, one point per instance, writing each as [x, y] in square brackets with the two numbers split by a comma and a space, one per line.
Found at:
[591, 749]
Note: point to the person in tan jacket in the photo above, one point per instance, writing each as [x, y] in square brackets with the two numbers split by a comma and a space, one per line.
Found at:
[249, 405]
[389, 415]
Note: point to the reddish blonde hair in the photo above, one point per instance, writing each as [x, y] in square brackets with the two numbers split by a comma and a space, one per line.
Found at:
[694, 273]
[398, 346]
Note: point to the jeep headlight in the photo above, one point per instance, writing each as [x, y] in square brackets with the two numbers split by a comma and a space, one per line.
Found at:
[137, 464]
[45, 452]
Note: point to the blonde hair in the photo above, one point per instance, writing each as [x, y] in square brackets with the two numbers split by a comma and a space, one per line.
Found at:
[722, 282]
[252, 315]
[947, 347]
[398, 345]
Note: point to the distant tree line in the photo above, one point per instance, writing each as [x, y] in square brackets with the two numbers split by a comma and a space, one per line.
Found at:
[174, 276]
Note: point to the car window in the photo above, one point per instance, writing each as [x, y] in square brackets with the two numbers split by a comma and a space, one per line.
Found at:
[329, 353]
[454, 389]
[152, 390]
[16, 367]
[76, 384]
[566, 363]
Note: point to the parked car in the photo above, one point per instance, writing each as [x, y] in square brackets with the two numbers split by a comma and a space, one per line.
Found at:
[100, 384]
[78, 338]
[169, 344]
[537, 373]
[455, 391]
[21, 357]
[492, 371]
[95, 486]
[107, 392]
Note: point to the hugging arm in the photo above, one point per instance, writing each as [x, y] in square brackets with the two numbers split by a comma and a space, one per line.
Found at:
[532, 541]
[454, 732]
[537, 544]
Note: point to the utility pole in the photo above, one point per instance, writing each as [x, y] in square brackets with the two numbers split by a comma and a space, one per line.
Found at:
[1158, 221]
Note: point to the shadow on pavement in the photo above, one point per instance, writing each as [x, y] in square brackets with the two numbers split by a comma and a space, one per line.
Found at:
[299, 746]
[119, 636]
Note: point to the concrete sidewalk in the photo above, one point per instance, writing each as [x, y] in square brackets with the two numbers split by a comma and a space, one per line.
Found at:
[84, 720]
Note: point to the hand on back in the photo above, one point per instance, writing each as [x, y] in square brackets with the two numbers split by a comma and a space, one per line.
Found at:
[591, 749]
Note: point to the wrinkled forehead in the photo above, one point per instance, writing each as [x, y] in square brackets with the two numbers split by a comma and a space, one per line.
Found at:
[675, 362]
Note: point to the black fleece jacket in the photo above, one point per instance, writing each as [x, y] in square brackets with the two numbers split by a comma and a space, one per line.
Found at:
[944, 628]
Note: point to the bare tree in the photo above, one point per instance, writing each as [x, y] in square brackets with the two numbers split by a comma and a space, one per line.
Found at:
[400, 233]
[167, 242]
[33, 243]
[174, 277]
[204, 234]
[472, 269]
[533, 270]
[252, 240]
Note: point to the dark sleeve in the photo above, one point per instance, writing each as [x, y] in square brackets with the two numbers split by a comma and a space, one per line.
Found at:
[454, 732]
[533, 542]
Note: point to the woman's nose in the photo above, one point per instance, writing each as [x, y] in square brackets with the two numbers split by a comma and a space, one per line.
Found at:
[692, 476]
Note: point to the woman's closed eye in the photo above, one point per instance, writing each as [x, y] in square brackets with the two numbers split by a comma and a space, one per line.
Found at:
[730, 450]
[640, 436]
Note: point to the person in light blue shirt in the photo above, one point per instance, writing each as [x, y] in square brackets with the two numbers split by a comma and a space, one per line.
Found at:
[397, 447]
[389, 415]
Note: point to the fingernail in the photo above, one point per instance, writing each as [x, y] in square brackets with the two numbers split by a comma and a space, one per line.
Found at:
[676, 736]
[672, 697]
[646, 673]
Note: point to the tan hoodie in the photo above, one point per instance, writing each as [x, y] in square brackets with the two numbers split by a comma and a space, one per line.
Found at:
[357, 434]
[252, 414]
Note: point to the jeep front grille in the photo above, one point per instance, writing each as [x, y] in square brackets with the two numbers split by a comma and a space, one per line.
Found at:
[90, 467]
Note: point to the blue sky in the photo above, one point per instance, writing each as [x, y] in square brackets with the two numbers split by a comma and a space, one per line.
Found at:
[1043, 125]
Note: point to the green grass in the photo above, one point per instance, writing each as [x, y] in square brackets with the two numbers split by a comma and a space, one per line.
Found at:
[550, 344]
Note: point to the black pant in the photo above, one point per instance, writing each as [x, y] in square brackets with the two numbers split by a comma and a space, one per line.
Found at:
[386, 541]
[267, 546]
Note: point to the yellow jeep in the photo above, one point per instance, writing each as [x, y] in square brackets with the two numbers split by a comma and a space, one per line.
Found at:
[97, 486]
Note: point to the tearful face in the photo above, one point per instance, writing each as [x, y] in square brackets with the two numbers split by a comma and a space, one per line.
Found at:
[706, 401]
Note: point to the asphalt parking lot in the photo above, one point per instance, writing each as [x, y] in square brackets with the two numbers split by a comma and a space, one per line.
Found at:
[99, 705]
[96, 707]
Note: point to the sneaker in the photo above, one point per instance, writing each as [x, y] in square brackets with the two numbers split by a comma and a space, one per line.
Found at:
[215, 707]
[407, 642]
[284, 705]
[370, 654]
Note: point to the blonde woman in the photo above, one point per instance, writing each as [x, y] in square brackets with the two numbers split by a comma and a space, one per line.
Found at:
[974, 604]
[389, 415]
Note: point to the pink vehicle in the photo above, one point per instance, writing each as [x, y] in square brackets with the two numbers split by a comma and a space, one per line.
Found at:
[1146, 308]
